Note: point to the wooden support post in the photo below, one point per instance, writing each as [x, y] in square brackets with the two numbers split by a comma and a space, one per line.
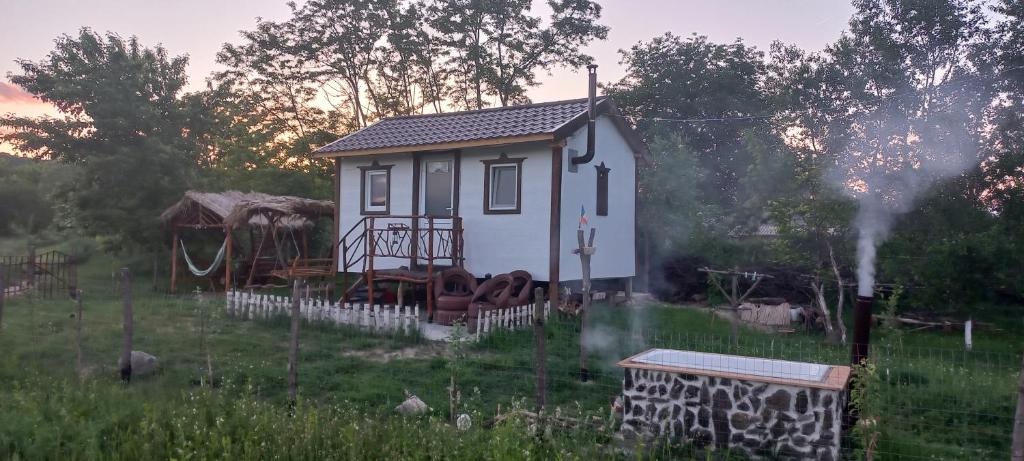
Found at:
[293, 344]
[541, 357]
[555, 226]
[430, 268]
[371, 248]
[127, 326]
[228, 243]
[174, 262]
[585, 250]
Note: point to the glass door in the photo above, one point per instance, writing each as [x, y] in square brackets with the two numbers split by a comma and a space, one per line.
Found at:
[438, 188]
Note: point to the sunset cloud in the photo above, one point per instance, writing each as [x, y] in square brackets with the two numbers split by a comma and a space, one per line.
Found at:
[11, 94]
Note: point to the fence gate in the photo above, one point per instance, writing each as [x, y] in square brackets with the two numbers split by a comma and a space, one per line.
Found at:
[46, 273]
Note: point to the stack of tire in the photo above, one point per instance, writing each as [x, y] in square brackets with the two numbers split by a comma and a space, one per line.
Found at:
[453, 292]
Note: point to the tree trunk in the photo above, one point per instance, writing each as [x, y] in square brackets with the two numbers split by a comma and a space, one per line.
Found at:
[839, 287]
[293, 345]
[127, 324]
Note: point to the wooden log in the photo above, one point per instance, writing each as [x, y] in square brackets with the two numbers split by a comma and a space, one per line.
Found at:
[540, 349]
[293, 343]
[127, 325]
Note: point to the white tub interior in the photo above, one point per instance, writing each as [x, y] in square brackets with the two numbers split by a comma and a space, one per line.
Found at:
[781, 369]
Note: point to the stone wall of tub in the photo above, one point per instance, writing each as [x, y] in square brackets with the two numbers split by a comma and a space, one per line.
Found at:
[759, 419]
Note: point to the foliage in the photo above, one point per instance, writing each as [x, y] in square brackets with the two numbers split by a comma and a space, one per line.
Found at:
[25, 206]
[123, 125]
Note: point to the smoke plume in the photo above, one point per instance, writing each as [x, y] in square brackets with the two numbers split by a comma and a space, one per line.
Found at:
[888, 164]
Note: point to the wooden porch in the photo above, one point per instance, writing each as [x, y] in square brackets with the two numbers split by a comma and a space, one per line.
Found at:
[422, 245]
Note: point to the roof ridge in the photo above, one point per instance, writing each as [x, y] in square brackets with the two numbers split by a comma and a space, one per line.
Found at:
[489, 109]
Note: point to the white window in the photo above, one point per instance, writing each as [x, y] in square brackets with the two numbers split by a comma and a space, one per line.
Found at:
[503, 187]
[376, 189]
[503, 182]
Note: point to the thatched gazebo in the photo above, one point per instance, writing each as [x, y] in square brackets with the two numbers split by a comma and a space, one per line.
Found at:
[269, 215]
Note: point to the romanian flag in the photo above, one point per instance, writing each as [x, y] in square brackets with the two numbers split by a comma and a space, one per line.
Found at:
[583, 217]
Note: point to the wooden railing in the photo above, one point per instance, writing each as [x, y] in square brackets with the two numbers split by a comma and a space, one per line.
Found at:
[422, 240]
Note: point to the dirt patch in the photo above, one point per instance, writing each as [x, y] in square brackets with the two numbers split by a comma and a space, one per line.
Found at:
[385, 355]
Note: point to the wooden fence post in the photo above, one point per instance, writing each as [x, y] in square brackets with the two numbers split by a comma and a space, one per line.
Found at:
[3, 294]
[1017, 448]
[541, 351]
[293, 345]
[127, 325]
[79, 363]
[585, 250]
[30, 267]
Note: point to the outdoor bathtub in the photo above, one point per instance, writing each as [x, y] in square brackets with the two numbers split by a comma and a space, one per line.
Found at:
[765, 408]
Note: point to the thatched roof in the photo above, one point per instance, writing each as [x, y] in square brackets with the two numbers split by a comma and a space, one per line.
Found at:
[279, 208]
[210, 208]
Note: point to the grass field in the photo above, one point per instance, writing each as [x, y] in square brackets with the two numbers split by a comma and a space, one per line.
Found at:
[932, 399]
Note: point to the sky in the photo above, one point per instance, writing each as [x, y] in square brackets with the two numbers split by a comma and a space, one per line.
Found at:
[198, 28]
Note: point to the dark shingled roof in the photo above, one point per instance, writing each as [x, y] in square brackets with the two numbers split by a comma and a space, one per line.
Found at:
[502, 122]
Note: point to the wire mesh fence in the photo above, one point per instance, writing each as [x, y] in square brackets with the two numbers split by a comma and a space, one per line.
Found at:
[921, 397]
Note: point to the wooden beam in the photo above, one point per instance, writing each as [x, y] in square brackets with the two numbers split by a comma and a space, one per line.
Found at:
[555, 227]
[438, 146]
[337, 212]
[414, 243]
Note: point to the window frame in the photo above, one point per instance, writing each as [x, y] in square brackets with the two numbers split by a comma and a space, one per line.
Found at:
[365, 208]
[501, 161]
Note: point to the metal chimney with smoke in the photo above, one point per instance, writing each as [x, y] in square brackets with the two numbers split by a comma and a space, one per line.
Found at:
[861, 329]
[591, 120]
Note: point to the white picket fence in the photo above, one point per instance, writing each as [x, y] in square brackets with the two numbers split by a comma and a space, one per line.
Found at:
[510, 318]
[375, 318]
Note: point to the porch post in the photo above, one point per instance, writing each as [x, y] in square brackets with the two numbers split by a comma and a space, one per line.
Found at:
[174, 260]
[555, 230]
[227, 258]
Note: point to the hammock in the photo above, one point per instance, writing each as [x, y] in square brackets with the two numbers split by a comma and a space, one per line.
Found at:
[217, 260]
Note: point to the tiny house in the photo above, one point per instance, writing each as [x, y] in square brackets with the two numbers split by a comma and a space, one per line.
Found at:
[491, 190]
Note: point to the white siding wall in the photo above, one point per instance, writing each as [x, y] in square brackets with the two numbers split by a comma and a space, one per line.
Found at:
[499, 243]
[401, 197]
[615, 238]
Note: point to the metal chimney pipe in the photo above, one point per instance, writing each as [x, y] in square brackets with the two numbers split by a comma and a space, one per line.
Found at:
[591, 116]
[861, 329]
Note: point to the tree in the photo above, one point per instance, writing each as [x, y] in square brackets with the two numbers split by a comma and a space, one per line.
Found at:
[123, 124]
[670, 80]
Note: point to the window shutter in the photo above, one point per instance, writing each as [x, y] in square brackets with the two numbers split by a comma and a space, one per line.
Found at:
[602, 189]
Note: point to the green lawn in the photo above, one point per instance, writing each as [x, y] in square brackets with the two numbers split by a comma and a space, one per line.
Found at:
[932, 398]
